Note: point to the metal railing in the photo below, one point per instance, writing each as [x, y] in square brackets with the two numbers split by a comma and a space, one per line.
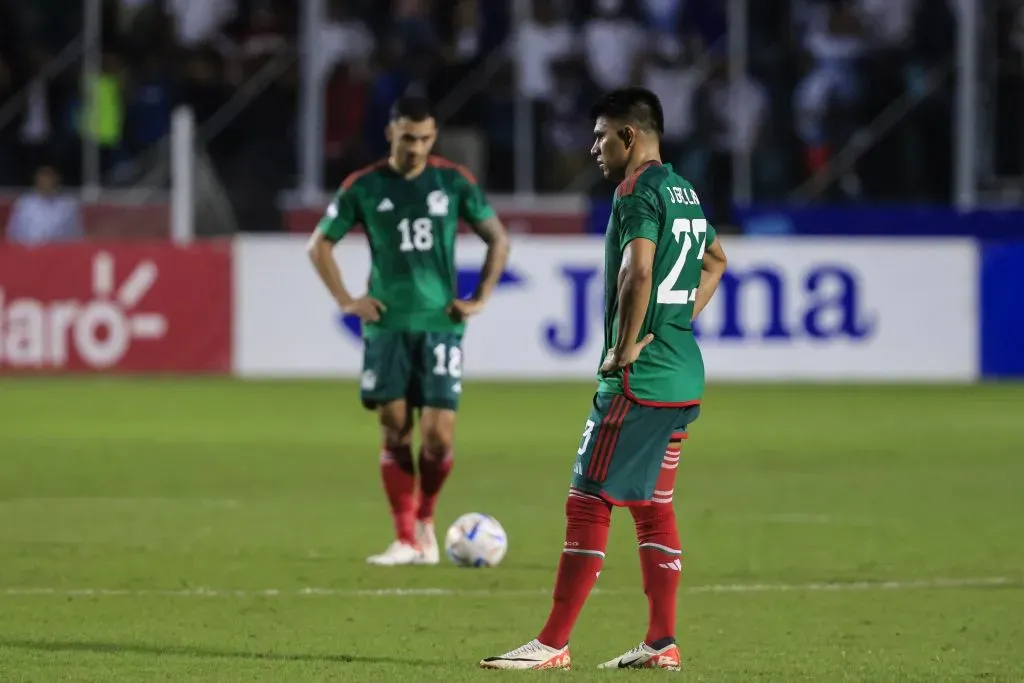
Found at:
[68, 55]
[148, 186]
[473, 83]
[868, 136]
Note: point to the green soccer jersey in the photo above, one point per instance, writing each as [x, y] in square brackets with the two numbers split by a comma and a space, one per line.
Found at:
[656, 204]
[411, 225]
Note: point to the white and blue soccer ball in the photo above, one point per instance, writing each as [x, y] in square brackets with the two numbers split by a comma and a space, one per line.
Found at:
[476, 540]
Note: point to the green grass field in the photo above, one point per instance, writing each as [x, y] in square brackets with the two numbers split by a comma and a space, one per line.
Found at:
[156, 530]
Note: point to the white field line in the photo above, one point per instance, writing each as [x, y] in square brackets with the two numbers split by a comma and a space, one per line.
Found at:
[922, 584]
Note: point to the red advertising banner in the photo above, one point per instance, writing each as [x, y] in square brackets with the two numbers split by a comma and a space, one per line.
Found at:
[124, 308]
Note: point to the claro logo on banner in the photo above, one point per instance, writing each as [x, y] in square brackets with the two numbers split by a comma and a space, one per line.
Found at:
[120, 308]
[807, 309]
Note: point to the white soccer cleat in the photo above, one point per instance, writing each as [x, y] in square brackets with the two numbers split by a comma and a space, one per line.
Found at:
[398, 553]
[643, 656]
[532, 656]
[427, 540]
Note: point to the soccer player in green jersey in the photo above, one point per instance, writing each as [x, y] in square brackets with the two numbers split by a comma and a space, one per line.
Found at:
[662, 265]
[409, 206]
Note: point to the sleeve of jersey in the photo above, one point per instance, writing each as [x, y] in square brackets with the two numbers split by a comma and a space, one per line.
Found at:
[712, 234]
[341, 216]
[637, 217]
[473, 205]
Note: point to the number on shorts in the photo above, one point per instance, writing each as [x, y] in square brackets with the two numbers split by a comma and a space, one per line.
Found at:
[588, 430]
[683, 226]
[418, 235]
[448, 361]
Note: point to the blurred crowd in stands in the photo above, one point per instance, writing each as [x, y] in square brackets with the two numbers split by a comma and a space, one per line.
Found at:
[819, 70]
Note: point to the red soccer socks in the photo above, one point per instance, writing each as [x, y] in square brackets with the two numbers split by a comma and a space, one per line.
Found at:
[399, 480]
[588, 519]
[433, 469]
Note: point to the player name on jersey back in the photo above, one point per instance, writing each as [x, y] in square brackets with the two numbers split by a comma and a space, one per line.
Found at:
[656, 204]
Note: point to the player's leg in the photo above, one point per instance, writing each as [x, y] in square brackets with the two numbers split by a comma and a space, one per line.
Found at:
[441, 380]
[660, 561]
[588, 520]
[386, 370]
[399, 480]
[437, 429]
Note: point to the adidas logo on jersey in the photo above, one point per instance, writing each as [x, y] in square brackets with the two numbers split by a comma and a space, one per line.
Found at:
[674, 565]
[385, 205]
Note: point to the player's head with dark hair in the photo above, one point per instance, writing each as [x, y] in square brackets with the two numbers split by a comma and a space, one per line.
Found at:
[416, 108]
[411, 132]
[628, 124]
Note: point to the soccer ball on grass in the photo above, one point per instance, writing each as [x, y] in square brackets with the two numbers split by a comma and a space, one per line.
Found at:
[476, 540]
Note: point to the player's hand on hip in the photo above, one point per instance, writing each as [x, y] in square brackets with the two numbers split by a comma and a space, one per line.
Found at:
[366, 308]
[460, 309]
[616, 358]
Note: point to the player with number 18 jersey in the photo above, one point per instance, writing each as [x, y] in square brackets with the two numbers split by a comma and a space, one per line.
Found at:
[411, 226]
[410, 206]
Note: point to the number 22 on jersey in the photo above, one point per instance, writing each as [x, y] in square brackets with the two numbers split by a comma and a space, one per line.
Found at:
[690, 230]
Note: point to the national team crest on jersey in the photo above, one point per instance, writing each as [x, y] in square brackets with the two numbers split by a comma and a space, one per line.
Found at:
[437, 203]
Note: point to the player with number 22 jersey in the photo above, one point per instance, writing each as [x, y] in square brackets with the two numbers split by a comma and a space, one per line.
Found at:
[663, 263]
[410, 205]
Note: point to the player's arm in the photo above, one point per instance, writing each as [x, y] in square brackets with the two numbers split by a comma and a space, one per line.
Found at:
[635, 284]
[341, 216]
[476, 210]
[639, 233]
[493, 233]
[712, 269]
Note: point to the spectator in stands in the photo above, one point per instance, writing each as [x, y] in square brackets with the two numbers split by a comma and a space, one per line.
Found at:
[197, 22]
[14, 76]
[705, 23]
[499, 127]
[465, 43]
[264, 36]
[41, 115]
[412, 25]
[388, 84]
[540, 41]
[345, 98]
[826, 99]
[261, 162]
[613, 42]
[566, 133]
[8, 164]
[203, 84]
[149, 105]
[672, 74]
[462, 52]
[44, 215]
[663, 16]
[732, 116]
[99, 113]
[344, 39]
[887, 23]
[1010, 155]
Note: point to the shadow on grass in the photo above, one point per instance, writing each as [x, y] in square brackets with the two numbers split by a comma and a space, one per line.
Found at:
[203, 652]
